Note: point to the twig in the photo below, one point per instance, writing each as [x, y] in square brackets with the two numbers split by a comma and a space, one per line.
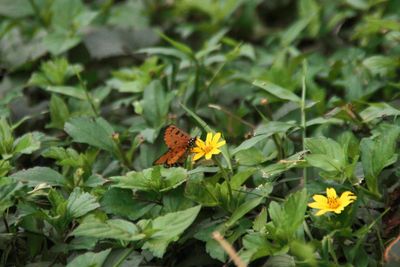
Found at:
[228, 249]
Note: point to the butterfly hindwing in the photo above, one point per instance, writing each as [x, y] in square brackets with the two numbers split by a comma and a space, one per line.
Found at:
[178, 143]
[172, 156]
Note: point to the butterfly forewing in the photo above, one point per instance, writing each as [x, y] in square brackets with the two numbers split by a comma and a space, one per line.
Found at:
[178, 143]
[175, 137]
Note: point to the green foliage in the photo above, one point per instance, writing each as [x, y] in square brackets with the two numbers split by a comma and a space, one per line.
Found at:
[305, 94]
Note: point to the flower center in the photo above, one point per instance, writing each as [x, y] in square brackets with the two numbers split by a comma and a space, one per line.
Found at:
[207, 149]
[333, 202]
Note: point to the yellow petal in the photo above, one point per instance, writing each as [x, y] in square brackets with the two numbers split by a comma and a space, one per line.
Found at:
[197, 150]
[347, 196]
[216, 138]
[339, 210]
[198, 155]
[208, 139]
[321, 212]
[208, 156]
[320, 198]
[200, 143]
[218, 145]
[331, 193]
[215, 151]
[317, 205]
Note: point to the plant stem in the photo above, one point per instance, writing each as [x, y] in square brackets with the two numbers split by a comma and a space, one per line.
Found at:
[227, 179]
[88, 97]
[124, 256]
[303, 114]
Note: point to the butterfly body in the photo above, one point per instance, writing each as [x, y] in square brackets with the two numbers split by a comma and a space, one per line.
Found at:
[178, 143]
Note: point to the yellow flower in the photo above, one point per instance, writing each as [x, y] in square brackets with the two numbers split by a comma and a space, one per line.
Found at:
[332, 202]
[208, 148]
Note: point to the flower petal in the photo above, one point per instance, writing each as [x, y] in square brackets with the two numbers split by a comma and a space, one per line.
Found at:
[215, 151]
[339, 209]
[218, 145]
[197, 150]
[317, 205]
[320, 198]
[198, 155]
[208, 156]
[347, 196]
[331, 193]
[321, 212]
[200, 143]
[216, 138]
[209, 138]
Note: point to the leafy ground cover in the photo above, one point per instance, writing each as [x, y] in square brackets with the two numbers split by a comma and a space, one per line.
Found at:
[294, 105]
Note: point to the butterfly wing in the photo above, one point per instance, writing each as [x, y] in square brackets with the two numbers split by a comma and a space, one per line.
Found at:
[175, 137]
[172, 156]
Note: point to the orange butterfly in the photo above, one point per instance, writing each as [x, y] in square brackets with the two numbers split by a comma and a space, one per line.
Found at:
[178, 143]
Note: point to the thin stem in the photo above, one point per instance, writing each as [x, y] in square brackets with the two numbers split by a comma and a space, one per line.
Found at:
[227, 179]
[124, 256]
[303, 114]
[275, 137]
[88, 97]
[5, 222]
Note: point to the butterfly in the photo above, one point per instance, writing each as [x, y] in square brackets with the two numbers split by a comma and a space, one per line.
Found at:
[178, 143]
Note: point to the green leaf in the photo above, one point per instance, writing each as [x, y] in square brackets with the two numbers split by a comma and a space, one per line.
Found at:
[54, 72]
[164, 51]
[90, 259]
[114, 229]
[256, 245]
[242, 210]
[277, 91]
[153, 179]
[382, 144]
[260, 221]
[271, 127]
[292, 33]
[381, 65]
[26, 144]
[156, 104]
[241, 177]
[281, 261]
[249, 143]
[168, 228]
[59, 112]
[80, 203]
[95, 132]
[326, 154]
[6, 138]
[7, 191]
[38, 175]
[288, 216]
[377, 111]
[74, 91]
[202, 192]
[120, 202]
[178, 45]
[15, 8]
[303, 251]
